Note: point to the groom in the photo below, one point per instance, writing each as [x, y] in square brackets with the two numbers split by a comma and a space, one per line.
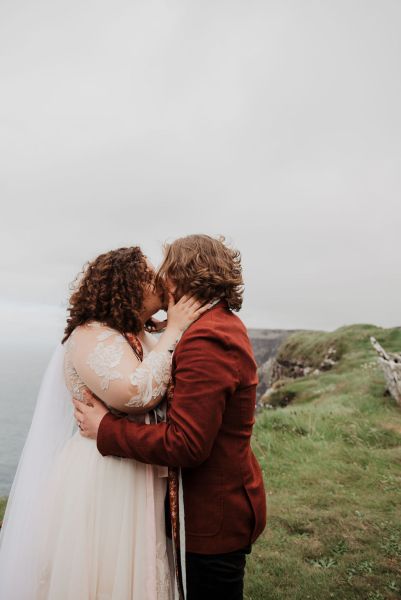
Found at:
[209, 425]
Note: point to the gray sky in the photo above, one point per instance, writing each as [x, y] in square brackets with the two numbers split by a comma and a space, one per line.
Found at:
[276, 123]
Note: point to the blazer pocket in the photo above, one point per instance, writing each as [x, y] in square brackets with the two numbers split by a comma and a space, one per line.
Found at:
[203, 501]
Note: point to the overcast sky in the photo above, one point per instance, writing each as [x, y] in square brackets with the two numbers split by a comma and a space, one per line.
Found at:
[275, 123]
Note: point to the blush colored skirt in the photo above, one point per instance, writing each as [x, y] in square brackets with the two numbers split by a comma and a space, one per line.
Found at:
[103, 529]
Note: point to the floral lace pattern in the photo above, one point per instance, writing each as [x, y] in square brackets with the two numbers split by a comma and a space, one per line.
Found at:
[73, 380]
[150, 379]
[163, 575]
[103, 360]
[114, 368]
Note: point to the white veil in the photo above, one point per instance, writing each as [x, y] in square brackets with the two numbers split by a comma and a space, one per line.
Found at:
[52, 425]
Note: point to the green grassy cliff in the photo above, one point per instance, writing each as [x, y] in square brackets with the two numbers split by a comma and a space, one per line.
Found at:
[332, 466]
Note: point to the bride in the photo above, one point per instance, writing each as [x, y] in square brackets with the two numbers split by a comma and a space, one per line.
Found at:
[79, 526]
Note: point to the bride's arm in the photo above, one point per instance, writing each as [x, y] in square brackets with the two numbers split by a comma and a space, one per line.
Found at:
[108, 366]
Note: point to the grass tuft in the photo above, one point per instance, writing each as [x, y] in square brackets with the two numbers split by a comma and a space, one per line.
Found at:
[3, 502]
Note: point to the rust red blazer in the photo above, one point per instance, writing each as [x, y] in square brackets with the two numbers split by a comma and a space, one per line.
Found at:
[208, 435]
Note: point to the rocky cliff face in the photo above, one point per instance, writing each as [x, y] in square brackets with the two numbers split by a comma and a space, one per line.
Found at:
[274, 368]
[266, 343]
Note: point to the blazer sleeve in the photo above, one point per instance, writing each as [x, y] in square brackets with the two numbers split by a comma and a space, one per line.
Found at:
[205, 374]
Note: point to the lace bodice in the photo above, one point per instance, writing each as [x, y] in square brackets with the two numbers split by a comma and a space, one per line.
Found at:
[100, 359]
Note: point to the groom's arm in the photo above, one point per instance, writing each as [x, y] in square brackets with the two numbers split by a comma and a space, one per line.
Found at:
[205, 373]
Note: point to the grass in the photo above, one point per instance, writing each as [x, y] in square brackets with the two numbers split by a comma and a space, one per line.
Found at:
[332, 466]
[3, 502]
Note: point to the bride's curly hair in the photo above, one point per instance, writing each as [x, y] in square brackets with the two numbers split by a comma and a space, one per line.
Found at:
[110, 289]
[203, 266]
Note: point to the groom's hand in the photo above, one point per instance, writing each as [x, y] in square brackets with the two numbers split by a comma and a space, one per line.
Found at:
[88, 416]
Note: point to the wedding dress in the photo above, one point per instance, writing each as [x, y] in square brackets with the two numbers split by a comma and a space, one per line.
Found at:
[96, 529]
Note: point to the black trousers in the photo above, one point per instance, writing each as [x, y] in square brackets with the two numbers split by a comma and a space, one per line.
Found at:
[216, 576]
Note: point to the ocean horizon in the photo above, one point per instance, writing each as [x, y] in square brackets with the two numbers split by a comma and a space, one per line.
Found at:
[21, 370]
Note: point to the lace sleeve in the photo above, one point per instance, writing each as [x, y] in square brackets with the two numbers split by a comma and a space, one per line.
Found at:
[107, 365]
[150, 380]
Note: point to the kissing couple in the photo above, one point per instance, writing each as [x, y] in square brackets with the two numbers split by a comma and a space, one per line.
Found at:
[157, 494]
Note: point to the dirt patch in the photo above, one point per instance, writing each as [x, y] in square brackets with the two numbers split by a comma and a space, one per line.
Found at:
[392, 427]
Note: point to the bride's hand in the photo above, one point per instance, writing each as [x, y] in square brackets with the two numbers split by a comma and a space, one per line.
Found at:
[188, 309]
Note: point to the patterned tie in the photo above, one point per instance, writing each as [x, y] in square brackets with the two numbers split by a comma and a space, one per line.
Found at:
[135, 345]
[173, 483]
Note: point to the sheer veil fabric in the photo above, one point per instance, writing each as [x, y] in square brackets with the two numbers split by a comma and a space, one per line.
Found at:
[52, 425]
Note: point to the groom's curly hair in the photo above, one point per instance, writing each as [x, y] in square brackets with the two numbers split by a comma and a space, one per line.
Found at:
[110, 289]
[203, 266]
